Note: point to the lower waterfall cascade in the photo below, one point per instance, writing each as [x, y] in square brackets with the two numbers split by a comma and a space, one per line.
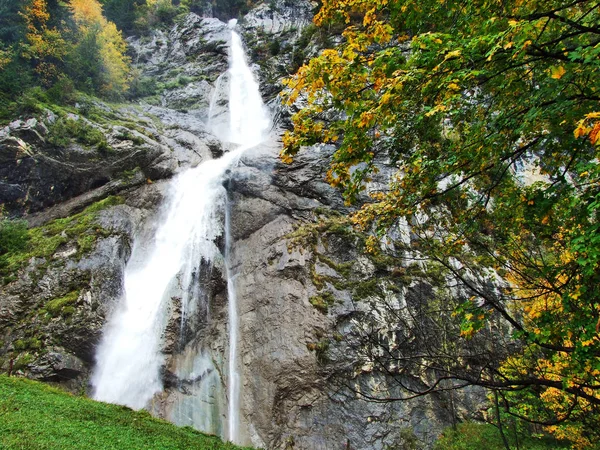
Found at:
[165, 266]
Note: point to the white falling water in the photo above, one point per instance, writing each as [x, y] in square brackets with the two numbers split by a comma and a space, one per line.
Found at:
[129, 357]
[248, 117]
[233, 391]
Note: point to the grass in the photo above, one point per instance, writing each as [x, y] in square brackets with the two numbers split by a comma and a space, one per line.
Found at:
[477, 436]
[38, 417]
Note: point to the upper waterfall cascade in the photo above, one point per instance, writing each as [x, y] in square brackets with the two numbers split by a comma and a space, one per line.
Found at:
[130, 357]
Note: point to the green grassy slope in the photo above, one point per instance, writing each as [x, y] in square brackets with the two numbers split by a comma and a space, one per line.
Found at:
[37, 416]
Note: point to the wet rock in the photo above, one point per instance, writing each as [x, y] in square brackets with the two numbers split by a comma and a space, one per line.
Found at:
[183, 64]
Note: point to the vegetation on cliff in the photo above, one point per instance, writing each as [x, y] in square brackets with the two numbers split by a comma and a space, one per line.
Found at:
[37, 416]
[489, 111]
[18, 244]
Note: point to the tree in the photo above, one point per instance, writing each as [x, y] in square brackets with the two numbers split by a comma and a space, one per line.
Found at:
[223, 9]
[109, 68]
[123, 13]
[12, 31]
[44, 45]
[12, 27]
[489, 111]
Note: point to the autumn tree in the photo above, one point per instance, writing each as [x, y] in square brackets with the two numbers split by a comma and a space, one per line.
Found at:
[489, 112]
[44, 45]
[100, 49]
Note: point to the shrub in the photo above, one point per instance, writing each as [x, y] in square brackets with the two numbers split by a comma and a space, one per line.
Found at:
[274, 47]
[13, 239]
[142, 86]
[323, 301]
[470, 436]
[19, 345]
[13, 236]
[22, 361]
[33, 101]
[127, 135]
[298, 58]
[62, 92]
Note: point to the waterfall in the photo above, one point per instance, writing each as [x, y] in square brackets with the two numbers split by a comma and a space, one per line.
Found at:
[164, 267]
[248, 118]
[233, 392]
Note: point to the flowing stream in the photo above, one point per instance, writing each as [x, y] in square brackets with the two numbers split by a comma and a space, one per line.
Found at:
[129, 357]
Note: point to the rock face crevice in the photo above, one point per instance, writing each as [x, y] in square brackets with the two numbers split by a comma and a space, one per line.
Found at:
[304, 285]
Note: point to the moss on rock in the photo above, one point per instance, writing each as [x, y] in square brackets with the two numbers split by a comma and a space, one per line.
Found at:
[45, 241]
[62, 305]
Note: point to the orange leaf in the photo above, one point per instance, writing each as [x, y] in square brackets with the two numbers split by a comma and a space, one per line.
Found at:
[595, 133]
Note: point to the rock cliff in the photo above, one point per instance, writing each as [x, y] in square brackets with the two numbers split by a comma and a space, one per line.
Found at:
[90, 181]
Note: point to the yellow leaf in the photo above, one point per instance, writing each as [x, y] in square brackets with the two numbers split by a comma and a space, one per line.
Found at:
[595, 134]
[581, 130]
[557, 72]
[587, 343]
[435, 110]
[452, 54]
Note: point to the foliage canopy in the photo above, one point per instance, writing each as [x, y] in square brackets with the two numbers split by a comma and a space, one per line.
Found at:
[60, 45]
[489, 112]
